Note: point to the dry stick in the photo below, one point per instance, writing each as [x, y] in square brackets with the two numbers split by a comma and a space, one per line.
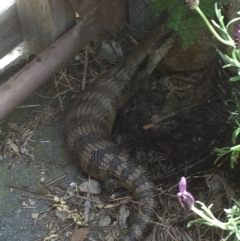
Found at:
[56, 180]
[58, 82]
[61, 231]
[89, 199]
[162, 118]
[67, 79]
[62, 93]
[85, 67]
[26, 189]
[27, 106]
[32, 134]
[64, 75]
[48, 197]
[127, 200]
[50, 209]
[58, 95]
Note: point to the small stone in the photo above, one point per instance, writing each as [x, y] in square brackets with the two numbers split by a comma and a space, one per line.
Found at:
[91, 186]
[105, 221]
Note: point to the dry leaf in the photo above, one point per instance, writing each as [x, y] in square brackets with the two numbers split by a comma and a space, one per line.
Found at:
[105, 221]
[124, 213]
[99, 205]
[91, 186]
[87, 205]
[24, 204]
[13, 126]
[61, 214]
[80, 234]
[111, 51]
[25, 151]
[35, 215]
[92, 217]
[32, 202]
[109, 237]
[68, 195]
[51, 236]
[42, 179]
[74, 214]
[13, 146]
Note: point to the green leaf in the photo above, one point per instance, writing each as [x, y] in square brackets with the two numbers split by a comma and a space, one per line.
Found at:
[225, 57]
[215, 24]
[235, 135]
[236, 78]
[183, 20]
[228, 65]
[232, 21]
[199, 220]
[236, 202]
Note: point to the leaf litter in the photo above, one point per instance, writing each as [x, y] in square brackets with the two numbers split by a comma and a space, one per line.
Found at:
[108, 215]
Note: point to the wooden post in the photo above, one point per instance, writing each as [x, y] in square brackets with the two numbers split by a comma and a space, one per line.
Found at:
[40, 69]
[10, 33]
[113, 12]
[44, 21]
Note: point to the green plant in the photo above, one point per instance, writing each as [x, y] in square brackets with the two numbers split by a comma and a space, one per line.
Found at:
[233, 151]
[224, 36]
[182, 20]
[232, 226]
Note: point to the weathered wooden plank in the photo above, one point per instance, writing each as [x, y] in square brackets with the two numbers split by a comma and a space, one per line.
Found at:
[42, 22]
[10, 34]
[113, 12]
[39, 70]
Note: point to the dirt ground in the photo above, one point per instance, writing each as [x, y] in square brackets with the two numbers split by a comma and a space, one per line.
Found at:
[45, 160]
[38, 193]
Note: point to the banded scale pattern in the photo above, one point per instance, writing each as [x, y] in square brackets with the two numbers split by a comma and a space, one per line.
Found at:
[88, 130]
[88, 127]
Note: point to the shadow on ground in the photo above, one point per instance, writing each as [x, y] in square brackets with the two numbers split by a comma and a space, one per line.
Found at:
[25, 178]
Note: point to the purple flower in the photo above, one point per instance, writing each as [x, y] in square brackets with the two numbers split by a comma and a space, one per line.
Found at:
[236, 35]
[185, 198]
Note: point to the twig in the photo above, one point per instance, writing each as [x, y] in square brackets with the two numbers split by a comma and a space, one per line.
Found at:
[66, 227]
[50, 209]
[89, 199]
[85, 67]
[162, 118]
[125, 201]
[55, 181]
[27, 106]
[58, 95]
[27, 189]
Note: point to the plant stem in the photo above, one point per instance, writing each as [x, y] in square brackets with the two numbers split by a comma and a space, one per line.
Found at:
[214, 221]
[212, 29]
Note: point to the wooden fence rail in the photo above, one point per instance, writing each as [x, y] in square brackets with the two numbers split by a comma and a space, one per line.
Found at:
[41, 23]
[10, 34]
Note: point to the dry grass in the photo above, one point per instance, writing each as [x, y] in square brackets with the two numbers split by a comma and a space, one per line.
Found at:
[170, 141]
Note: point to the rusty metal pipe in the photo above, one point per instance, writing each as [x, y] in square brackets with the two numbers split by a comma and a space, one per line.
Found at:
[40, 69]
